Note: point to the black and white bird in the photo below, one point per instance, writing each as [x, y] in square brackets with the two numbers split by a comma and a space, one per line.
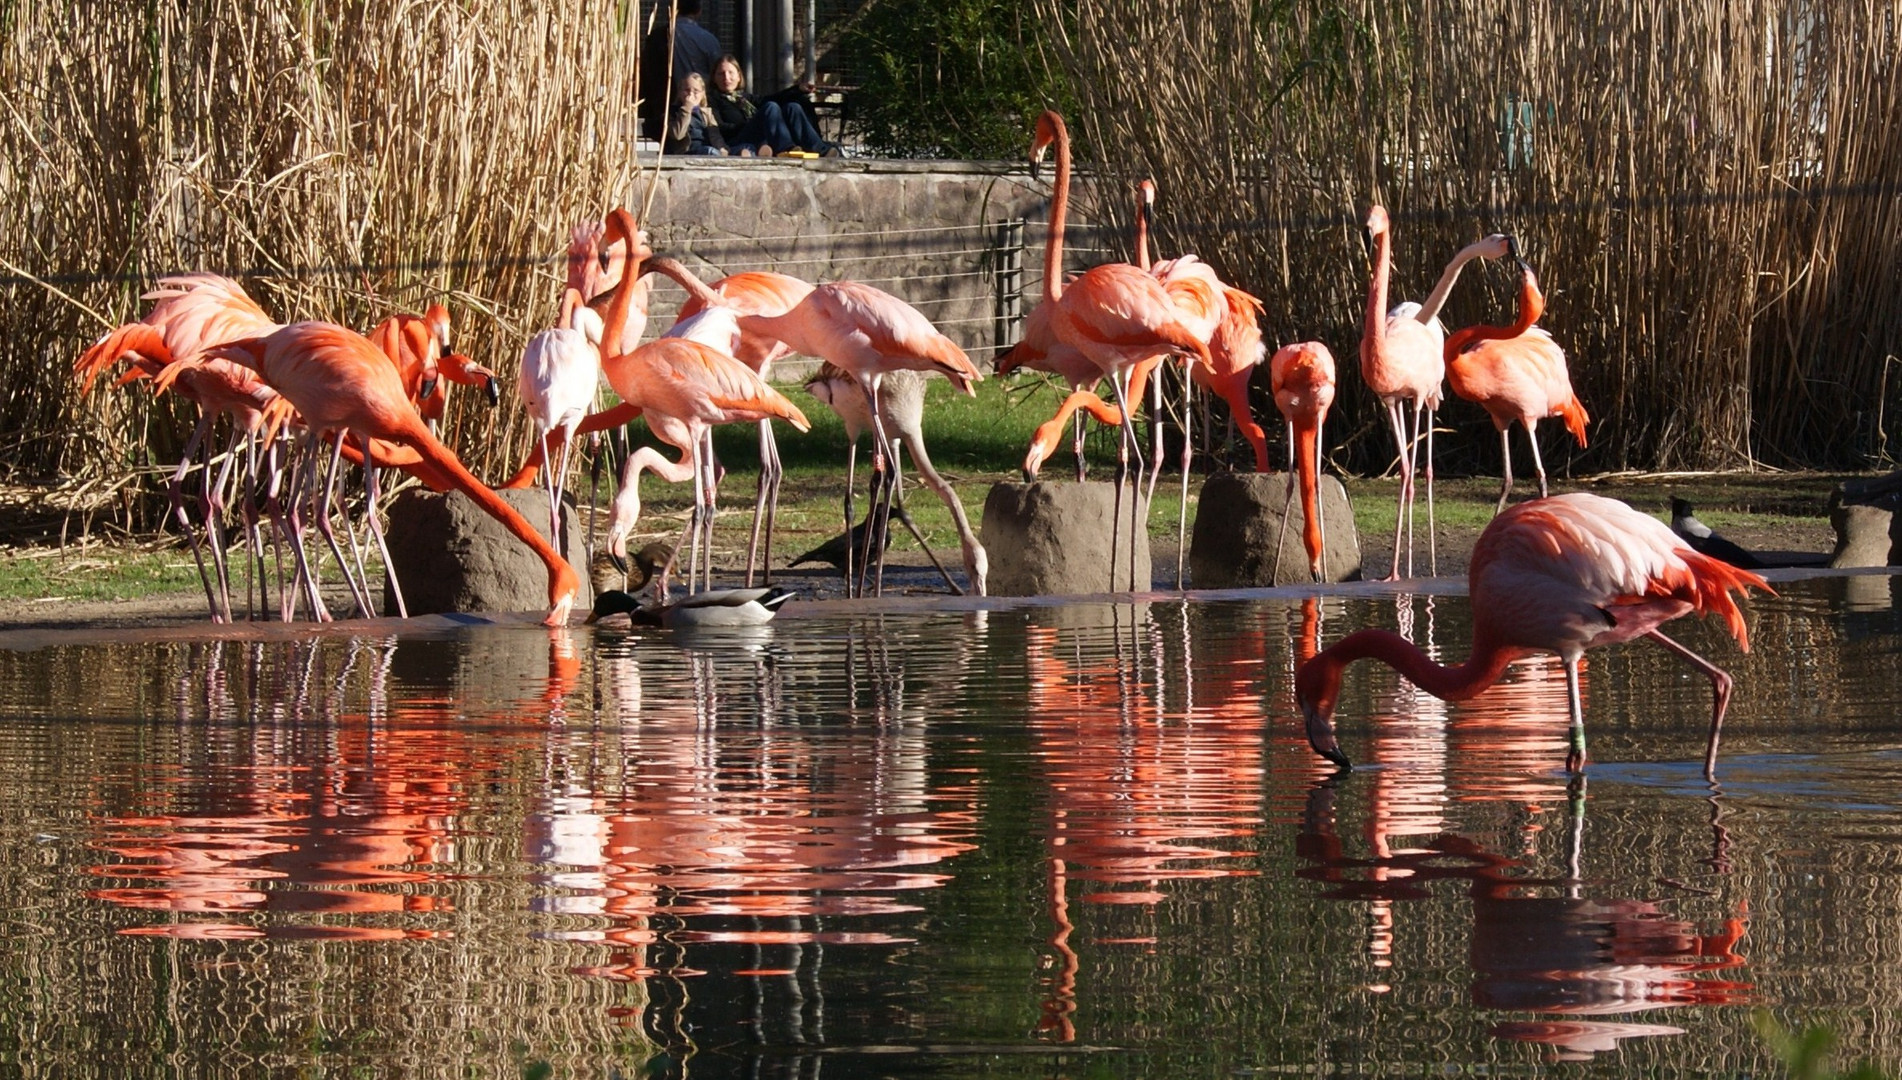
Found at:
[713, 608]
[1704, 541]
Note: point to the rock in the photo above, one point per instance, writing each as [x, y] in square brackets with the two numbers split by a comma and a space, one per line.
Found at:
[1863, 525]
[450, 555]
[1049, 539]
[1238, 519]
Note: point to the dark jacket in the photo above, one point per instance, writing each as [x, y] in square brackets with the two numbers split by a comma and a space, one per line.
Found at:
[691, 134]
[695, 49]
[732, 111]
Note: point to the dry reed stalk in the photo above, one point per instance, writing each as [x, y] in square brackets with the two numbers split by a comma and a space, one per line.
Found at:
[445, 148]
[1711, 194]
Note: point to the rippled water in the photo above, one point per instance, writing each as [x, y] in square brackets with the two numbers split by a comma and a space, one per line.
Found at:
[1034, 840]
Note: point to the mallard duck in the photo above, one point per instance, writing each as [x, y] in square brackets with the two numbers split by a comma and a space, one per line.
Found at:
[716, 607]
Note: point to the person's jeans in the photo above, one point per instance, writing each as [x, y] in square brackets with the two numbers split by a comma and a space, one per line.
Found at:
[783, 128]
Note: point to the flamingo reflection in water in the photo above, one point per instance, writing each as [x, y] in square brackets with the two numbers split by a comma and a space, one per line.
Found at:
[330, 820]
[728, 827]
[1137, 797]
[1539, 943]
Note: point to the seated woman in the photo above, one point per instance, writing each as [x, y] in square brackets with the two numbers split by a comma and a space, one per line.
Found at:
[691, 127]
[766, 127]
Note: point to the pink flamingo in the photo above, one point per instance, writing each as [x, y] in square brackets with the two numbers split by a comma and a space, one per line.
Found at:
[1303, 379]
[1117, 315]
[1518, 373]
[561, 368]
[1562, 575]
[867, 332]
[682, 387]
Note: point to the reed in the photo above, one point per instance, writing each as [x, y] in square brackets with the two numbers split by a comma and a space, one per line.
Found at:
[344, 160]
[1709, 192]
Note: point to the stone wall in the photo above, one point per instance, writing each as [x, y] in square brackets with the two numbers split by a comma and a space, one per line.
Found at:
[927, 232]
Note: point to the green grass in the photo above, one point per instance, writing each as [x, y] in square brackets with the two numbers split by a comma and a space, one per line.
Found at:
[95, 572]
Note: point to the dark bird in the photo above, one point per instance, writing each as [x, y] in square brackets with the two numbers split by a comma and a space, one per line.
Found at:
[833, 551]
[1706, 542]
[713, 608]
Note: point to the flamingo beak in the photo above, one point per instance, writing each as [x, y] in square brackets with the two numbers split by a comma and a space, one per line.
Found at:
[1367, 244]
[620, 563]
[1321, 736]
[427, 390]
[495, 394]
[1512, 247]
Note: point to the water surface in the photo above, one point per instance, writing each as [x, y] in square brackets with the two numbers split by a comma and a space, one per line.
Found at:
[1039, 840]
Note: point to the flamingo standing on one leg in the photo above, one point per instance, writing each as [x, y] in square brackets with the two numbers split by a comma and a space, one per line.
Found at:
[1561, 575]
[340, 382]
[1401, 363]
[1117, 315]
[867, 332]
[1518, 373]
[903, 408]
[1303, 380]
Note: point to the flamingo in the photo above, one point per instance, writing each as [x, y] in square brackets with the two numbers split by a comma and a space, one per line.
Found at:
[419, 347]
[710, 316]
[341, 383]
[1401, 363]
[561, 367]
[1562, 575]
[683, 387]
[867, 333]
[1117, 315]
[1303, 379]
[903, 406]
[1518, 373]
[192, 313]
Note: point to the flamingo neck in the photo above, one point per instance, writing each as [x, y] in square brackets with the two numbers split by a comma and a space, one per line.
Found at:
[1531, 306]
[1430, 309]
[621, 223]
[571, 302]
[1374, 339]
[1142, 229]
[1059, 211]
[687, 279]
[1446, 682]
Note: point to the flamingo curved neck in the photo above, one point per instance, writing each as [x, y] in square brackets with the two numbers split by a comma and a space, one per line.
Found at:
[1531, 306]
[1430, 309]
[621, 224]
[685, 278]
[1374, 341]
[1059, 208]
[1448, 683]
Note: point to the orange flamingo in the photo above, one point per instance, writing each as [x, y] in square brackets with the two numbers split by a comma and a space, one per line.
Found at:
[1518, 373]
[683, 387]
[753, 292]
[341, 383]
[1117, 315]
[1561, 575]
[419, 347]
[1401, 363]
[867, 332]
[1303, 379]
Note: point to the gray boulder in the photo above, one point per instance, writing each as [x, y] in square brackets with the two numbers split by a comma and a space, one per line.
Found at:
[1238, 520]
[1048, 539]
[450, 555]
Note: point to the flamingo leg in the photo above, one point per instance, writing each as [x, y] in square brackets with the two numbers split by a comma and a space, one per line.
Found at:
[1538, 463]
[303, 494]
[1575, 754]
[759, 503]
[851, 467]
[1505, 454]
[175, 493]
[1720, 684]
[1156, 413]
[1320, 504]
[1432, 533]
[1188, 455]
[1413, 470]
[217, 498]
[376, 529]
[1076, 442]
[778, 472]
[1287, 504]
[882, 508]
[327, 527]
[1406, 483]
[715, 473]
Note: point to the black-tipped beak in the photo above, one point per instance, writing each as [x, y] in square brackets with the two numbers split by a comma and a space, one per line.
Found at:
[1512, 246]
[1367, 244]
[444, 353]
[494, 392]
[620, 564]
[1036, 170]
[427, 390]
[1321, 737]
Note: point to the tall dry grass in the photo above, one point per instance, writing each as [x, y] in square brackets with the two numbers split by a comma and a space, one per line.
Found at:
[1712, 196]
[345, 160]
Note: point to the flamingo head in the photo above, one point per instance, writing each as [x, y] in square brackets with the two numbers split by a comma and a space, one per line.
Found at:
[437, 319]
[1049, 130]
[1374, 227]
[587, 269]
[1496, 246]
[1317, 688]
[623, 512]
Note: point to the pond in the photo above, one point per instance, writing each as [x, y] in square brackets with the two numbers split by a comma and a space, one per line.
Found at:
[1018, 839]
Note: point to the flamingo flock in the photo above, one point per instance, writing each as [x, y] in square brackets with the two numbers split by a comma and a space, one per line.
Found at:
[1559, 574]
